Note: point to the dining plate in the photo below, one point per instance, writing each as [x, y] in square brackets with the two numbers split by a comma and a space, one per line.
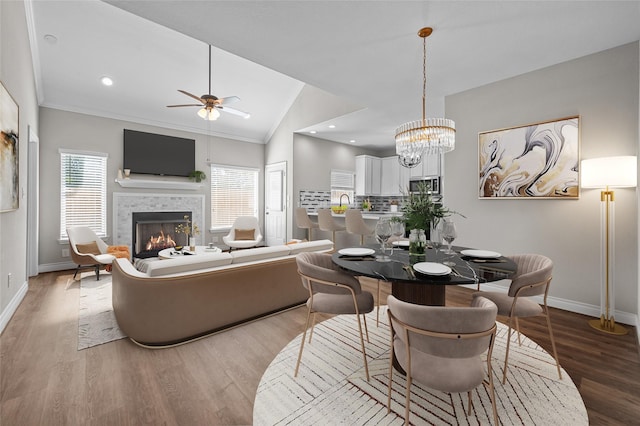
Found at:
[432, 268]
[401, 243]
[484, 254]
[356, 251]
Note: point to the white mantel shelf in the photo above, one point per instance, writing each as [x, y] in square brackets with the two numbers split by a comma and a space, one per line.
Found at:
[158, 184]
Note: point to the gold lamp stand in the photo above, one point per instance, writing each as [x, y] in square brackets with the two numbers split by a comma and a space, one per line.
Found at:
[606, 323]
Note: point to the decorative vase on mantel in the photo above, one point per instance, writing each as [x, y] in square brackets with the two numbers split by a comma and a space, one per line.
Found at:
[192, 244]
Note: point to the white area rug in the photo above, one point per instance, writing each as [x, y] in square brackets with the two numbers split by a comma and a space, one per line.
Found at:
[96, 320]
[331, 386]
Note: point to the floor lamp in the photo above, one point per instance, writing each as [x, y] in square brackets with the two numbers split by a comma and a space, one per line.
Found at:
[607, 173]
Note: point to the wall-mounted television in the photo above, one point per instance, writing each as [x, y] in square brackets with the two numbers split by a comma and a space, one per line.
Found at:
[148, 153]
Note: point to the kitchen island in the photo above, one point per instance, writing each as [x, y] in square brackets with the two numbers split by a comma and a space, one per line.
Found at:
[345, 239]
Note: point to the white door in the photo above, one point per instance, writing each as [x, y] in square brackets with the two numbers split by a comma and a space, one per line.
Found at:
[275, 210]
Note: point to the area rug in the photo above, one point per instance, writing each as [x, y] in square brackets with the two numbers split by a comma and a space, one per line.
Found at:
[331, 387]
[96, 320]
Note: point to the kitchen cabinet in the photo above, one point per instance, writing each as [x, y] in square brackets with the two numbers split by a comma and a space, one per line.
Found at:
[394, 177]
[368, 175]
[430, 166]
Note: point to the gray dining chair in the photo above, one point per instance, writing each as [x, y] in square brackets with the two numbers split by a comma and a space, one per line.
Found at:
[440, 347]
[532, 278]
[331, 291]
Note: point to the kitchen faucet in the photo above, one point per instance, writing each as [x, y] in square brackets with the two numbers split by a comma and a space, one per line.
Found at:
[348, 200]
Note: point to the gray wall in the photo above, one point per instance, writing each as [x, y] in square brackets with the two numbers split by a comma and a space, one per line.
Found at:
[61, 129]
[16, 73]
[603, 90]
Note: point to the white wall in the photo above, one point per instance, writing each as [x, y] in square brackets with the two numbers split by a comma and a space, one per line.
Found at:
[61, 129]
[16, 72]
[603, 90]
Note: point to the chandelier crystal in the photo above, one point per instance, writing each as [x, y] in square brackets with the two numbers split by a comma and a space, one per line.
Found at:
[428, 135]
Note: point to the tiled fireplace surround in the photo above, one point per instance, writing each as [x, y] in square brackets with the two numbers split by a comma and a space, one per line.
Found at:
[124, 204]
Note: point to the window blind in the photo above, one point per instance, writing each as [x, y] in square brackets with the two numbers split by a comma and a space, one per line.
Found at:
[83, 192]
[234, 192]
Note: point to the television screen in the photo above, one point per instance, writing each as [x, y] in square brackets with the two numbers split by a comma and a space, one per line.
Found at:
[148, 153]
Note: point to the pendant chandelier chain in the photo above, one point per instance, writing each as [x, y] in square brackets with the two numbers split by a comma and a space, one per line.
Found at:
[424, 80]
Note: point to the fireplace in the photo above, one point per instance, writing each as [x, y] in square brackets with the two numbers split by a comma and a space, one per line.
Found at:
[155, 231]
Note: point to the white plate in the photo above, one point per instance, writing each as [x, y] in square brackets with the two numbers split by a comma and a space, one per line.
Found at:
[401, 243]
[356, 251]
[480, 253]
[432, 268]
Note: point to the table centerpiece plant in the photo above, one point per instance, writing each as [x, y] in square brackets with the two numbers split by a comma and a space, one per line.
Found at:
[189, 229]
[420, 211]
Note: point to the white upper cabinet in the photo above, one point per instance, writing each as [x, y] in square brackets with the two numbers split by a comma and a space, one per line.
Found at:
[368, 171]
[395, 178]
[430, 166]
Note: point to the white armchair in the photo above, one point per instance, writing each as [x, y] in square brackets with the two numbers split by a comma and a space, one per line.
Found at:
[87, 249]
[245, 233]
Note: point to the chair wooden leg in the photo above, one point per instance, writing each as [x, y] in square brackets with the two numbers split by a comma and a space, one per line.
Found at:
[378, 306]
[492, 393]
[407, 399]
[304, 336]
[97, 272]
[469, 403]
[518, 330]
[366, 329]
[553, 343]
[76, 273]
[364, 353]
[313, 324]
[390, 373]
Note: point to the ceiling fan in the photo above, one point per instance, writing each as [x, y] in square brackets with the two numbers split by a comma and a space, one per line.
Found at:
[212, 105]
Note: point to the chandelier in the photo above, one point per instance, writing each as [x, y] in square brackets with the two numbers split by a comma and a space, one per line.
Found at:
[428, 135]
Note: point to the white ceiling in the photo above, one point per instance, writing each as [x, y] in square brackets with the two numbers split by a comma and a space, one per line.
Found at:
[366, 52]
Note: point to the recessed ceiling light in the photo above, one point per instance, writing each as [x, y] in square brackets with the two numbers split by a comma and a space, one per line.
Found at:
[332, 126]
[313, 132]
[50, 38]
[107, 81]
[352, 141]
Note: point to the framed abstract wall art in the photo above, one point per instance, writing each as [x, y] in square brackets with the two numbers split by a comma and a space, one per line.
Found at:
[533, 161]
[9, 197]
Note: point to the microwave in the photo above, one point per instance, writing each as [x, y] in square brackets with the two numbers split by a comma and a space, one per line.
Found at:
[434, 184]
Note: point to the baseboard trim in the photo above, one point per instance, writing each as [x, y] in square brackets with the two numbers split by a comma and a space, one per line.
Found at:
[54, 267]
[12, 307]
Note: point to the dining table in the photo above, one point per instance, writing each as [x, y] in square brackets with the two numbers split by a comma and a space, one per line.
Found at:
[409, 284]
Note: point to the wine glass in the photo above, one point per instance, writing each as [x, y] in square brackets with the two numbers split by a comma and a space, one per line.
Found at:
[383, 233]
[449, 234]
[435, 236]
[397, 230]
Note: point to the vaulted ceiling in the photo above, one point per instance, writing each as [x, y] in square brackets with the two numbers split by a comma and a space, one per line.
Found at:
[366, 52]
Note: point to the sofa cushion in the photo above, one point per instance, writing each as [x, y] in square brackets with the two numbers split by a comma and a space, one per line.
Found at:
[259, 253]
[187, 263]
[317, 245]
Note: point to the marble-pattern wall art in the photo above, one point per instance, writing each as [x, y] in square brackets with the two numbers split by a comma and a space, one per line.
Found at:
[533, 161]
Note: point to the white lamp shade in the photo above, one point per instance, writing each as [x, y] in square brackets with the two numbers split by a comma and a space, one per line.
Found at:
[613, 172]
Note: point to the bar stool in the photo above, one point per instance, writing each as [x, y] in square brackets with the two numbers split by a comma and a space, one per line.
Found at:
[304, 221]
[326, 223]
[356, 225]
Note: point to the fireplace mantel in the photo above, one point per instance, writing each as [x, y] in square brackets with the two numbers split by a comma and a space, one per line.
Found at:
[158, 184]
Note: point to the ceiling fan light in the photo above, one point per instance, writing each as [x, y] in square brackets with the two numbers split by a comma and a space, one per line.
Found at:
[203, 113]
[213, 114]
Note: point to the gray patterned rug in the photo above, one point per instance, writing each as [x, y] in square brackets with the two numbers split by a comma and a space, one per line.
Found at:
[96, 320]
[331, 387]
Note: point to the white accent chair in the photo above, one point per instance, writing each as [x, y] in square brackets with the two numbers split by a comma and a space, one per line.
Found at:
[87, 249]
[240, 236]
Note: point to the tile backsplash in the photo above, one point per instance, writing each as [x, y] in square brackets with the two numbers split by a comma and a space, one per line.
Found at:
[314, 200]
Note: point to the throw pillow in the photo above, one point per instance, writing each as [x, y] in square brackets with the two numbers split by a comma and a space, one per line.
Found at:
[88, 248]
[244, 234]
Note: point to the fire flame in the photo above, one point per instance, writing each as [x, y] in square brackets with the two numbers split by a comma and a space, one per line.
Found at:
[160, 242]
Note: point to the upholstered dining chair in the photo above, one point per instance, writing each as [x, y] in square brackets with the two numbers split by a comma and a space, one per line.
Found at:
[532, 278]
[355, 224]
[331, 291]
[303, 221]
[87, 249]
[440, 347]
[327, 223]
[245, 233]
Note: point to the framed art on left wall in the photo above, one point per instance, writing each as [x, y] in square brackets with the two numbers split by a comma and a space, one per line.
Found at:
[9, 127]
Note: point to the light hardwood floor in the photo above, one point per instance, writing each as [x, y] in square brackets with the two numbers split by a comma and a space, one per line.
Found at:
[44, 380]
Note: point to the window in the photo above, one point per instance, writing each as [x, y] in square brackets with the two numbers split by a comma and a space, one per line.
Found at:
[83, 191]
[234, 192]
[342, 183]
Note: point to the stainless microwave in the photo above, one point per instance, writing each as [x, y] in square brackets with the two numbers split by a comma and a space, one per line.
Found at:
[434, 184]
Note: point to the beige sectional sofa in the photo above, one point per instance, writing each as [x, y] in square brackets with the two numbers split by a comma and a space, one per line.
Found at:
[174, 300]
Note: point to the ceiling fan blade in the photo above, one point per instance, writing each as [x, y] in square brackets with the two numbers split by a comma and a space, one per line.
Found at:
[233, 111]
[191, 95]
[184, 105]
[229, 99]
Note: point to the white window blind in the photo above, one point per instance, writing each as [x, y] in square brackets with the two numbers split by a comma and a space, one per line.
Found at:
[342, 183]
[234, 192]
[83, 191]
